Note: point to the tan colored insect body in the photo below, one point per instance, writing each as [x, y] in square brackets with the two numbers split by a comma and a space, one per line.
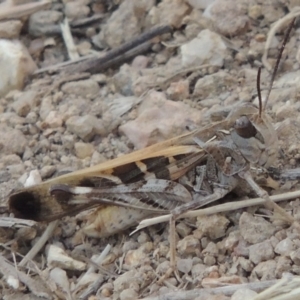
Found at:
[182, 173]
[167, 161]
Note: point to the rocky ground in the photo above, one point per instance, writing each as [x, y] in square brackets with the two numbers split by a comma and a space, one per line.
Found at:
[67, 119]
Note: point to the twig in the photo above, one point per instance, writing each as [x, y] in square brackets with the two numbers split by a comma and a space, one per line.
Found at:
[86, 21]
[286, 288]
[121, 59]
[40, 243]
[19, 11]
[276, 26]
[68, 39]
[34, 286]
[218, 208]
[55, 29]
[86, 59]
[96, 259]
[92, 289]
[226, 290]
[64, 64]
[14, 222]
[95, 63]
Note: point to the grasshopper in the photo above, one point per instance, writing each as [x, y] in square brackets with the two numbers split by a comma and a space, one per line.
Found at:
[182, 173]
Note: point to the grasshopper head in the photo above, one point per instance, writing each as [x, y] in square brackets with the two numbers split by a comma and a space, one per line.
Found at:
[255, 136]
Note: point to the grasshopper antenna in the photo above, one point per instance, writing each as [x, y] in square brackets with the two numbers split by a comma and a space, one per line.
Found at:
[262, 107]
[259, 91]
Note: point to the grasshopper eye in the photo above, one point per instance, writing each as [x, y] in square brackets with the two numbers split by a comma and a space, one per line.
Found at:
[244, 128]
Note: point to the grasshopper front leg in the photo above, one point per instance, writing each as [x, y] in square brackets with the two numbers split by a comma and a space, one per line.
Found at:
[246, 175]
[233, 158]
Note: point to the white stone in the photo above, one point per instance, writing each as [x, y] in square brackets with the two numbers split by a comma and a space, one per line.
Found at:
[12, 141]
[33, 178]
[53, 120]
[86, 88]
[83, 150]
[83, 126]
[10, 29]
[60, 277]
[245, 294]
[13, 282]
[16, 65]
[228, 17]
[207, 48]
[57, 257]
[285, 247]
[200, 4]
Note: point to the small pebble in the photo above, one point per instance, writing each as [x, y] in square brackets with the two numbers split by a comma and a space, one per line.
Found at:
[184, 265]
[188, 245]
[261, 251]
[285, 247]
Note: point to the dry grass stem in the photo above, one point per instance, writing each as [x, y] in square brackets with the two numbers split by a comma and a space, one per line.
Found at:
[286, 288]
[68, 39]
[41, 242]
[219, 208]
[207, 292]
[14, 222]
[97, 259]
[33, 285]
[276, 26]
[14, 12]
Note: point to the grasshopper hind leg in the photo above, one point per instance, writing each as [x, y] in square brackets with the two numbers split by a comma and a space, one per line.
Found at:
[197, 202]
[219, 190]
